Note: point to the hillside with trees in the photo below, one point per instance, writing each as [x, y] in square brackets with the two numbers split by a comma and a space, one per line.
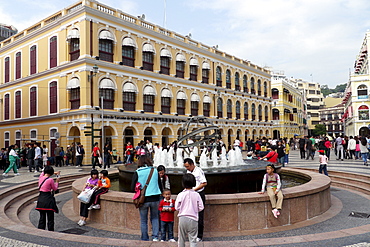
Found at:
[339, 88]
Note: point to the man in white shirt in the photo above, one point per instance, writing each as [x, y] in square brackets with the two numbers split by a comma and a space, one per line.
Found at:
[201, 183]
[38, 158]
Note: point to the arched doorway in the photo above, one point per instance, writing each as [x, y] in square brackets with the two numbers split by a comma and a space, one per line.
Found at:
[74, 133]
[128, 136]
[166, 132]
[148, 134]
[246, 135]
[275, 134]
[261, 133]
[238, 133]
[267, 133]
[108, 133]
[364, 131]
[254, 133]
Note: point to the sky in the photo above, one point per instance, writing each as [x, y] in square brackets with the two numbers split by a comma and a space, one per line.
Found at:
[315, 40]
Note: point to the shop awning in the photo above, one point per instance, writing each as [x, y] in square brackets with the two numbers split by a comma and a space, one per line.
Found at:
[195, 97]
[148, 48]
[73, 34]
[165, 53]
[181, 95]
[107, 84]
[128, 42]
[73, 83]
[166, 93]
[180, 58]
[149, 90]
[129, 87]
[106, 35]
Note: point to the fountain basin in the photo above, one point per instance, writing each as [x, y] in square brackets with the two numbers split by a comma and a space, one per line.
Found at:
[232, 213]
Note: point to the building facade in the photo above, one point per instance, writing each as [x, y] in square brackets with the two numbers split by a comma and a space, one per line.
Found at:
[356, 100]
[90, 63]
[331, 117]
[6, 31]
[287, 107]
[315, 98]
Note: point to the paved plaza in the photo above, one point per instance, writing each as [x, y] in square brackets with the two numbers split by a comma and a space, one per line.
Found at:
[333, 228]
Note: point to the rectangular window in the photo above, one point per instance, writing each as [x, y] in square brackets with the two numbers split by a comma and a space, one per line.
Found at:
[194, 108]
[75, 98]
[53, 97]
[205, 76]
[108, 98]
[193, 72]
[166, 105]
[74, 49]
[18, 63]
[18, 104]
[33, 60]
[106, 50]
[33, 101]
[148, 61]
[53, 51]
[7, 107]
[7, 70]
[128, 56]
[149, 103]
[181, 106]
[165, 65]
[129, 103]
[206, 109]
[180, 68]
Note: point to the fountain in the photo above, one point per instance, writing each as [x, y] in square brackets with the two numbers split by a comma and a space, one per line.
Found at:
[228, 211]
[199, 134]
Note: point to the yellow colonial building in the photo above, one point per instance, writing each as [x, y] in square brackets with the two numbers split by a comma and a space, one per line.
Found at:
[287, 107]
[134, 80]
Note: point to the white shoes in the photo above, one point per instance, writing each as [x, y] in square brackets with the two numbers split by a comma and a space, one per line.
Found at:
[199, 240]
[172, 240]
[5, 174]
[36, 172]
[17, 174]
[81, 223]
[276, 213]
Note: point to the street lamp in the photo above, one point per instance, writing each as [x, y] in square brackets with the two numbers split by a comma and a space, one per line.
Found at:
[93, 73]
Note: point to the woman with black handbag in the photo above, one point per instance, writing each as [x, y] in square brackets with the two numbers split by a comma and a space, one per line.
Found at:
[147, 175]
[46, 203]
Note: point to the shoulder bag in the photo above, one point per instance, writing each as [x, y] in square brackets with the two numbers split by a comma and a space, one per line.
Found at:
[139, 201]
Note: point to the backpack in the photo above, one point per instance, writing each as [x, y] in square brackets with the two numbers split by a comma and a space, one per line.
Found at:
[343, 142]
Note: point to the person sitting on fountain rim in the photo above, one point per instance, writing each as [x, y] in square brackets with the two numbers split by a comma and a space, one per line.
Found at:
[271, 156]
[201, 183]
[273, 182]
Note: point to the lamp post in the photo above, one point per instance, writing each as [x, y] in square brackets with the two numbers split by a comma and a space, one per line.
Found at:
[93, 73]
[102, 128]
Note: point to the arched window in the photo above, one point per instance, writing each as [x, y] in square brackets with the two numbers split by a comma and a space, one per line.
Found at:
[237, 83]
[106, 90]
[74, 93]
[166, 96]
[246, 111]
[149, 97]
[275, 114]
[205, 72]
[106, 40]
[194, 69]
[33, 61]
[275, 93]
[6, 107]
[165, 61]
[18, 137]
[363, 112]
[253, 91]
[265, 89]
[180, 65]
[228, 79]
[53, 49]
[362, 92]
[128, 52]
[33, 134]
[6, 69]
[181, 103]
[18, 65]
[53, 97]
[237, 110]
[259, 87]
[206, 106]
[129, 96]
[266, 113]
[6, 139]
[253, 112]
[33, 101]
[219, 107]
[229, 109]
[74, 44]
[194, 103]
[260, 113]
[218, 77]
[18, 104]
[148, 57]
[245, 84]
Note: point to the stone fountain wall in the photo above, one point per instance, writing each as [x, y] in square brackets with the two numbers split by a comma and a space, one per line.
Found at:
[231, 213]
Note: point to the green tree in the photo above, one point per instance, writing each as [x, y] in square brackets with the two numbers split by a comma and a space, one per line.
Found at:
[325, 90]
[319, 129]
[340, 88]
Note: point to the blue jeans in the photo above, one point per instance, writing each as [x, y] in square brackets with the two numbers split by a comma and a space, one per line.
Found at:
[154, 219]
[323, 168]
[166, 227]
[364, 157]
[281, 160]
[286, 158]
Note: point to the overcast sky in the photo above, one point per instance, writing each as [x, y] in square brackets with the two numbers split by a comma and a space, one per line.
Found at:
[300, 37]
